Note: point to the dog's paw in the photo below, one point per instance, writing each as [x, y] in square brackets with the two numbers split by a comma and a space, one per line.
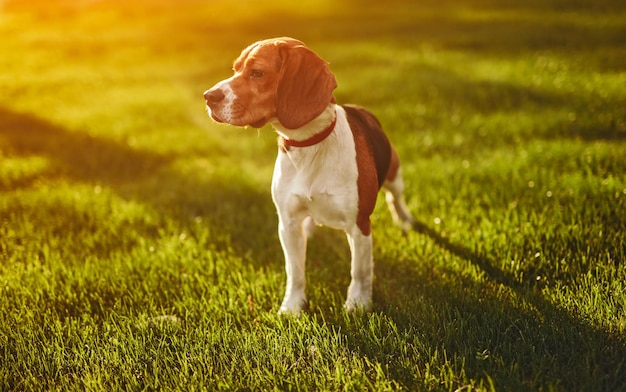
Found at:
[364, 305]
[292, 306]
[359, 301]
[406, 225]
[360, 294]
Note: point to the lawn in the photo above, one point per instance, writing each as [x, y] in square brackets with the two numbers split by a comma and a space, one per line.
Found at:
[138, 240]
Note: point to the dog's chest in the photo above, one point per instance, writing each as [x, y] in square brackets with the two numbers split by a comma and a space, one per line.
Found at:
[318, 182]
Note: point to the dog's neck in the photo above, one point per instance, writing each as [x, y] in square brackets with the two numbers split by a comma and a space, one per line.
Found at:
[310, 129]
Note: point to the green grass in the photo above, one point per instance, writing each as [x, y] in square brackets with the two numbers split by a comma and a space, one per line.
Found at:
[138, 240]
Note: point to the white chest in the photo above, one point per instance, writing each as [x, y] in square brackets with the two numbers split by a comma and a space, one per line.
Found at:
[319, 181]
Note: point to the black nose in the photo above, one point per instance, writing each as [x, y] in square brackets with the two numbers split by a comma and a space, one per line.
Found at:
[213, 95]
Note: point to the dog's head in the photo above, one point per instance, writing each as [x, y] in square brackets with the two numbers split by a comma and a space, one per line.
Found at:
[278, 79]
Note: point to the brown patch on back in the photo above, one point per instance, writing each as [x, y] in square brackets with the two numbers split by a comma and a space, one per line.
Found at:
[373, 157]
[375, 138]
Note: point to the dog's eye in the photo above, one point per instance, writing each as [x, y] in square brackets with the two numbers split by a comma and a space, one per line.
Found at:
[256, 74]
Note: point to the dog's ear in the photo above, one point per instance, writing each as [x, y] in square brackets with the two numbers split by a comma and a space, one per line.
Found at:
[305, 86]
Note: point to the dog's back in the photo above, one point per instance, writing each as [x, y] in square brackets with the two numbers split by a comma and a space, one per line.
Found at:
[364, 122]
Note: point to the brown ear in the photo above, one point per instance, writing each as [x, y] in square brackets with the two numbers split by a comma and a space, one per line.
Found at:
[305, 86]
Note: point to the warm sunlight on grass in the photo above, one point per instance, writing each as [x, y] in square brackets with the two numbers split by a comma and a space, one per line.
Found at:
[138, 240]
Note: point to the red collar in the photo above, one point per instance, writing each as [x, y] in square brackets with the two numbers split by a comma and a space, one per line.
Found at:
[313, 140]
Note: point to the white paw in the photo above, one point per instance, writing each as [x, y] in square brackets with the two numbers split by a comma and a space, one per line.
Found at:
[364, 304]
[292, 306]
[407, 225]
[359, 298]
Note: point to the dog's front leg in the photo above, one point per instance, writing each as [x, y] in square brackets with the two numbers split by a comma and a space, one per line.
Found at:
[293, 239]
[361, 271]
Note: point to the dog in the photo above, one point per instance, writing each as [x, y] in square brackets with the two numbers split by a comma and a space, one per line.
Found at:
[332, 159]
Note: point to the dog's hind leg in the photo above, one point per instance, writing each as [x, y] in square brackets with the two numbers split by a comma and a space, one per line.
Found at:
[394, 195]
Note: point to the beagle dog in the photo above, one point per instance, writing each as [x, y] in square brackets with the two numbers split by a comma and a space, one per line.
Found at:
[332, 159]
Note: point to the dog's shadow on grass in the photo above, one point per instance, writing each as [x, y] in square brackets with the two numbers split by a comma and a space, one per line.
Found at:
[463, 252]
[495, 321]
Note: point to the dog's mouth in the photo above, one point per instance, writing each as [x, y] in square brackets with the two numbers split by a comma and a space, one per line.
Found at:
[217, 119]
[258, 123]
[255, 124]
[213, 115]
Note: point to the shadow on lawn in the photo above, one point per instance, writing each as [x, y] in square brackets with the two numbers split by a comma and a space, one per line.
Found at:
[520, 341]
[73, 156]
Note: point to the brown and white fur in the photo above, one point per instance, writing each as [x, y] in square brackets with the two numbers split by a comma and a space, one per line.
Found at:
[331, 182]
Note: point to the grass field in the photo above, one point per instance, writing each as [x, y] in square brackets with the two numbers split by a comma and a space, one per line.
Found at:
[138, 240]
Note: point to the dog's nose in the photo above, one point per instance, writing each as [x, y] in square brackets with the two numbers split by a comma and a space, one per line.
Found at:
[214, 95]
